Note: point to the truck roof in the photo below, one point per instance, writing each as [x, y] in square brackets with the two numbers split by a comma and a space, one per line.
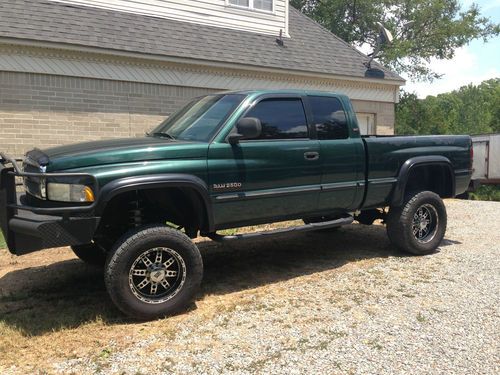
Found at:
[284, 91]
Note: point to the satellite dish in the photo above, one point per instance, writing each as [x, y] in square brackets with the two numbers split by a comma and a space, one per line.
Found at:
[384, 37]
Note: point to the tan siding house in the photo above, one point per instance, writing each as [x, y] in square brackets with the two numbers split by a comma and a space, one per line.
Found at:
[83, 70]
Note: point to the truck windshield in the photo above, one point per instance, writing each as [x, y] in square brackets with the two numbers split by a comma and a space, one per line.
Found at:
[200, 119]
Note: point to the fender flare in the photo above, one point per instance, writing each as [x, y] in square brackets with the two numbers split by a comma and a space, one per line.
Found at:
[418, 161]
[144, 182]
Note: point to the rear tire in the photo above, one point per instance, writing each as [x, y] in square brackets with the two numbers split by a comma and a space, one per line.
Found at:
[419, 224]
[153, 271]
[90, 254]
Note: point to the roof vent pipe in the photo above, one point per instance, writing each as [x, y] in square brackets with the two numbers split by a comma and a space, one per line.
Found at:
[280, 40]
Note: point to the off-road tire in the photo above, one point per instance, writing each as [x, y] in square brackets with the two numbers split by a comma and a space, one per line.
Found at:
[129, 252]
[90, 254]
[401, 223]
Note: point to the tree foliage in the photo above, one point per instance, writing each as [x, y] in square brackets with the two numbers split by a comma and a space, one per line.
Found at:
[423, 29]
[469, 110]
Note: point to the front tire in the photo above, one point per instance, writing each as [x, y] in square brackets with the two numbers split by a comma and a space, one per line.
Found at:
[153, 271]
[419, 224]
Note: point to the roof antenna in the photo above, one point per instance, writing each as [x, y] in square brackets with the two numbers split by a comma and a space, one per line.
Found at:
[384, 37]
[280, 40]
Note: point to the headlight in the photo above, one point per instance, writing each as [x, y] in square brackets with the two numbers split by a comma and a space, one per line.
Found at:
[69, 192]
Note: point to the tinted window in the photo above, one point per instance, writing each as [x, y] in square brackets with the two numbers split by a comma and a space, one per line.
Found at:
[280, 118]
[328, 117]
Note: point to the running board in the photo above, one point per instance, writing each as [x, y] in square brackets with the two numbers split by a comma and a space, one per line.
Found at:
[276, 232]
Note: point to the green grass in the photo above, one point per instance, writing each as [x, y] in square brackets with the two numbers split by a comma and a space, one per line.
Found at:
[486, 193]
[2, 241]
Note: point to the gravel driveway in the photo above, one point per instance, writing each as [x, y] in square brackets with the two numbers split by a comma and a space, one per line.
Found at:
[332, 303]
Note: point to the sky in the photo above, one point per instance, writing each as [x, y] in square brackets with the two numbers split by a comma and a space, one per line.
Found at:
[473, 63]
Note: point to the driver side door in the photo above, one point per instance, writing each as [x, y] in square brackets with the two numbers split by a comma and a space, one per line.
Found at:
[273, 177]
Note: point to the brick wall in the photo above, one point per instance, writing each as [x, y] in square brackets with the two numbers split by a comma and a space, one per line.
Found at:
[41, 111]
[384, 114]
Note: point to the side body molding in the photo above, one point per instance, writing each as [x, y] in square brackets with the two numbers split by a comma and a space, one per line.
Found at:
[404, 173]
[122, 185]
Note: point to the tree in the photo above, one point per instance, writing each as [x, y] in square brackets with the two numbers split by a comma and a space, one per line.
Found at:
[409, 112]
[423, 29]
[491, 91]
[468, 110]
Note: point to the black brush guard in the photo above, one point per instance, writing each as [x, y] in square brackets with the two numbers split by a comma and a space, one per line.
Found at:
[27, 228]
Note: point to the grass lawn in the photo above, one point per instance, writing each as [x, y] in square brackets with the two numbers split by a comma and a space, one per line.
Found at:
[2, 241]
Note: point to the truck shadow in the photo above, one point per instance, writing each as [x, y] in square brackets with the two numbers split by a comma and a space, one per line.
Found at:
[67, 294]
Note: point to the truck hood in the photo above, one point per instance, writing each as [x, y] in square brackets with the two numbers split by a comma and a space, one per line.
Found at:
[113, 151]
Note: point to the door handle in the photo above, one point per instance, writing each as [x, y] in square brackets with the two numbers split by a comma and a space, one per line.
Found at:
[312, 155]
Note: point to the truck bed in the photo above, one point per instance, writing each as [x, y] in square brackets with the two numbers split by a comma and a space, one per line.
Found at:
[385, 156]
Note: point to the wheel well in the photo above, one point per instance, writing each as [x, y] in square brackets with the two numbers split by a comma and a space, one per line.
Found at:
[180, 206]
[436, 178]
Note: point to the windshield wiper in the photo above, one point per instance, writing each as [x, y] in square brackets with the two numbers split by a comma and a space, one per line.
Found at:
[161, 134]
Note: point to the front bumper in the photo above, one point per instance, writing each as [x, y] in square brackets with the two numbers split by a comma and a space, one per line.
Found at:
[27, 228]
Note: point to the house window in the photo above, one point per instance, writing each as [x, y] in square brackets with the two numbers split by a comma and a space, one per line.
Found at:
[265, 5]
[240, 3]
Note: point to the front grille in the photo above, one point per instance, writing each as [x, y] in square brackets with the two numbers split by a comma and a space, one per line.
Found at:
[32, 184]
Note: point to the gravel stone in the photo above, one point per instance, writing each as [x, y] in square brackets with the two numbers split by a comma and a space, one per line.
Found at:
[375, 312]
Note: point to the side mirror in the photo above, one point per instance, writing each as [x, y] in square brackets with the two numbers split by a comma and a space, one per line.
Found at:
[247, 128]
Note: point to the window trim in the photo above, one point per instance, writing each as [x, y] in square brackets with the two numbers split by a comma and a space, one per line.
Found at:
[251, 7]
[303, 98]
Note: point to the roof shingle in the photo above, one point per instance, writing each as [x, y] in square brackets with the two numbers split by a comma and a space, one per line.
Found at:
[310, 47]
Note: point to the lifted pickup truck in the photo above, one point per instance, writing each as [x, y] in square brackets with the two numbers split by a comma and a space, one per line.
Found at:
[224, 161]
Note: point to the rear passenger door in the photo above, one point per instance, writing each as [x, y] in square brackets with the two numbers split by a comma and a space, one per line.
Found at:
[342, 155]
[272, 177]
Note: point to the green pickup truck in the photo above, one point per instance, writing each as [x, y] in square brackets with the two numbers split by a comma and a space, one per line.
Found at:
[224, 161]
